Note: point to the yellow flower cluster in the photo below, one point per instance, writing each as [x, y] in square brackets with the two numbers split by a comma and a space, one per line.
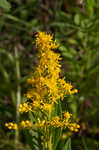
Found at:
[11, 125]
[65, 122]
[26, 124]
[24, 107]
[74, 127]
[46, 107]
[56, 122]
[45, 42]
[47, 86]
[68, 124]
[47, 89]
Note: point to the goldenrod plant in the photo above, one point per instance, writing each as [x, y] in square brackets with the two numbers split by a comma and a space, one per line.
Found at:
[47, 91]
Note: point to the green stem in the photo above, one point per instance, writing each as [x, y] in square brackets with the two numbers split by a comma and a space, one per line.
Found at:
[50, 142]
[50, 134]
[18, 93]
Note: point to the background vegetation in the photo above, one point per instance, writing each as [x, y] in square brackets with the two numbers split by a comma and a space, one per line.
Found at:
[75, 25]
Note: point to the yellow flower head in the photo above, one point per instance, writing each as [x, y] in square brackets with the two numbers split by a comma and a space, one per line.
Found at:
[26, 124]
[44, 41]
[11, 125]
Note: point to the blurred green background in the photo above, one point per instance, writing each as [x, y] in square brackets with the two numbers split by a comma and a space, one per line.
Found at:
[75, 26]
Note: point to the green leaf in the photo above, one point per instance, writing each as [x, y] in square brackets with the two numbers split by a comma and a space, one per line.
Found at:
[5, 5]
[77, 19]
[4, 72]
[80, 34]
[35, 141]
[67, 145]
[84, 144]
[7, 54]
[72, 41]
[67, 55]
[90, 4]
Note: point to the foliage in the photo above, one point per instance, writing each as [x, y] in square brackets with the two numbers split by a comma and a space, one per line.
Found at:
[74, 25]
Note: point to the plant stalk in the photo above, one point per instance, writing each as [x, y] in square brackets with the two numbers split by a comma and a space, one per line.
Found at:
[18, 93]
[50, 134]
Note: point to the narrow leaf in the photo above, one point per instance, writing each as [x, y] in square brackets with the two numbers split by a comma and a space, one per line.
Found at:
[67, 145]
